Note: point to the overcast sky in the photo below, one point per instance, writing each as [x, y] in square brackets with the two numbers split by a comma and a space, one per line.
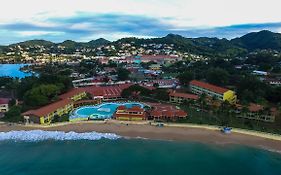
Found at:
[84, 20]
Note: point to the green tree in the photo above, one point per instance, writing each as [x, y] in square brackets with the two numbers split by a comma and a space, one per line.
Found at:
[186, 77]
[123, 74]
[217, 76]
[161, 94]
[13, 115]
[126, 93]
[41, 95]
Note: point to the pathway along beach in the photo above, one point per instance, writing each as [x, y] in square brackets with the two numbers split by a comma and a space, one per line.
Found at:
[176, 132]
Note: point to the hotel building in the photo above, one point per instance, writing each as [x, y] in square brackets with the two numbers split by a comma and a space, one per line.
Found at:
[46, 114]
[258, 112]
[165, 112]
[72, 99]
[135, 113]
[220, 93]
[177, 97]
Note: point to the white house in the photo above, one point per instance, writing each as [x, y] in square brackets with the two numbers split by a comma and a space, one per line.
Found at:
[4, 105]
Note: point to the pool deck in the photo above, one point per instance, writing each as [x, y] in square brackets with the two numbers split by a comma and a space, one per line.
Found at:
[75, 116]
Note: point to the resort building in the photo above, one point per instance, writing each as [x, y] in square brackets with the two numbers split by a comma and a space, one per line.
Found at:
[220, 93]
[130, 114]
[177, 97]
[46, 114]
[162, 83]
[4, 105]
[162, 112]
[107, 93]
[72, 99]
[96, 81]
[74, 94]
[258, 112]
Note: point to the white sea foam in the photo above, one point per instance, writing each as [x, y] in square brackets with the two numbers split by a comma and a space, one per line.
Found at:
[39, 135]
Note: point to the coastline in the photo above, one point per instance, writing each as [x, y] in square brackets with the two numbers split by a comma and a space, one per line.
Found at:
[172, 132]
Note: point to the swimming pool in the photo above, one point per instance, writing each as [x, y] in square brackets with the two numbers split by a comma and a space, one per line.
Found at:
[101, 111]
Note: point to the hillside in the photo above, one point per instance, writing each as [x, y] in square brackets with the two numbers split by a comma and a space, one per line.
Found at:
[259, 40]
[210, 47]
[32, 43]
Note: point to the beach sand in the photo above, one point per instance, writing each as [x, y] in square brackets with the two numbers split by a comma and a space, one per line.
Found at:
[192, 133]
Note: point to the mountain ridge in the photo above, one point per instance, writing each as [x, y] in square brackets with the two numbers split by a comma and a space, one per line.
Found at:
[212, 47]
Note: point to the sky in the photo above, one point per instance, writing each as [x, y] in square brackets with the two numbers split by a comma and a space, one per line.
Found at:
[85, 20]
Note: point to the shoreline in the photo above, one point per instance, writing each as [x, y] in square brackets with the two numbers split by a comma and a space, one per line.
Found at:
[171, 132]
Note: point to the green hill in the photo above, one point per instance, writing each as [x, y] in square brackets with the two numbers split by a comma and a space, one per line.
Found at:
[259, 40]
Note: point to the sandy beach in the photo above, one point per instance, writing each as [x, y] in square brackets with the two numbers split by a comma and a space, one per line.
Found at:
[178, 132]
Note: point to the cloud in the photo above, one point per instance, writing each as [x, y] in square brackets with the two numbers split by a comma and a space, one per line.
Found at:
[84, 26]
[38, 33]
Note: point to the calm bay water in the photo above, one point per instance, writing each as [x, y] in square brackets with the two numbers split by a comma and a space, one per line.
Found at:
[132, 156]
[13, 70]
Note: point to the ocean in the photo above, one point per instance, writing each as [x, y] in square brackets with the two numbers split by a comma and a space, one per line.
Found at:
[50, 153]
[13, 70]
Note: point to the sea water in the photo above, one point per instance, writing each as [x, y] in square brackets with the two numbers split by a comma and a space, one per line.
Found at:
[13, 70]
[50, 153]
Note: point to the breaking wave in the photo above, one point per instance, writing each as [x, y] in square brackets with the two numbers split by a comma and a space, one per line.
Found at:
[40, 135]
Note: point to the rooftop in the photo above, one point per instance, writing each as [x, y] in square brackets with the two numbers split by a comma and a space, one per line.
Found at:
[255, 107]
[184, 95]
[208, 86]
[4, 100]
[48, 108]
[106, 91]
[160, 110]
[71, 93]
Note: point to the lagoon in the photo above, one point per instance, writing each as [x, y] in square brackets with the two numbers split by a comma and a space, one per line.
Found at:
[13, 70]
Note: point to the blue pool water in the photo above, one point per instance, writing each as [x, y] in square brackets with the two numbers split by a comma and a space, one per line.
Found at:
[102, 111]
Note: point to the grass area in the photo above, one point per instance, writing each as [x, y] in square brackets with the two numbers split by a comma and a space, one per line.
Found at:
[201, 117]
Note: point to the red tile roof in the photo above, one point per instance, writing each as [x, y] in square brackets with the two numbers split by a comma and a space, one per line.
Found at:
[71, 93]
[107, 91]
[156, 113]
[121, 107]
[181, 113]
[4, 100]
[184, 95]
[163, 110]
[255, 107]
[208, 86]
[48, 108]
[169, 113]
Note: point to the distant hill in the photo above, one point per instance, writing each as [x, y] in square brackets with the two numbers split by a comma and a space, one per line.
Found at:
[34, 43]
[98, 42]
[70, 44]
[259, 40]
[211, 47]
[91, 44]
